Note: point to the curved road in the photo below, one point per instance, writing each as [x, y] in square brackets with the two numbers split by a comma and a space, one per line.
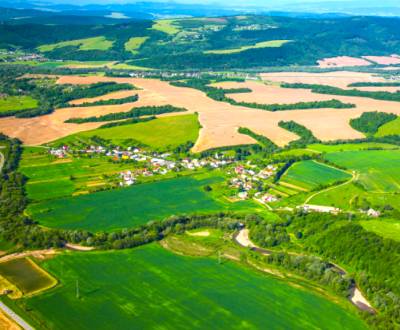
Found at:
[356, 297]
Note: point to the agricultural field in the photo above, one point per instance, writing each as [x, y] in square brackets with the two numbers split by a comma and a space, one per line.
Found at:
[263, 44]
[310, 175]
[133, 44]
[386, 228]
[390, 128]
[162, 133]
[378, 169]
[96, 43]
[17, 103]
[26, 275]
[132, 206]
[121, 287]
[49, 177]
[326, 148]
[167, 26]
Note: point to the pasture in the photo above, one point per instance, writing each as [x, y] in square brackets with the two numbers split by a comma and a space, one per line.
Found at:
[17, 103]
[386, 228]
[350, 147]
[263, 44]
[149, 286]
[95, 43]
[378, 169]
[26, 275]
[390, 128]
[162, 133]
[135, 205]
[310, 175]
[133, 44]
[53, 178]
[167, 26]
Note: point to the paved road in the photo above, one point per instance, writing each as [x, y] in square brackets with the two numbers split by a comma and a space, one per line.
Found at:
[15, 317]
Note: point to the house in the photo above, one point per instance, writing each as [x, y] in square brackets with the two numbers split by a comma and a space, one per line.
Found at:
[373, 213]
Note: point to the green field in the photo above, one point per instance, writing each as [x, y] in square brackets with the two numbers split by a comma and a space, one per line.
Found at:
[17, 103]
[385, 228]
[162, 133]
[264, 44]
[390, 128]
[52, 178]
[310, 174]
[129, 207]
[350, 147]
[133, 44]
[26, 275]
[152, 288]
[167, 26]
[378, 169]
[96, 43]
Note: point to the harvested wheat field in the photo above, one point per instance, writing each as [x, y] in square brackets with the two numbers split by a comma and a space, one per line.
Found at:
[342, 61]
[384, 60]
[219, 120]
[106, 97]
[339, 79]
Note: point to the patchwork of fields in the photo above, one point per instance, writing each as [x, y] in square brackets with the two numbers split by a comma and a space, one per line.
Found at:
[149, 286]
[129, 207]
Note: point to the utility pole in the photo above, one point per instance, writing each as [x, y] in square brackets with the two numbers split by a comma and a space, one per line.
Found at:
[77, 289]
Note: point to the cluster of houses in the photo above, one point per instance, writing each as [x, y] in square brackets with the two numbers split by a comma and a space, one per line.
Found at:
[247, 177]
[18, 56]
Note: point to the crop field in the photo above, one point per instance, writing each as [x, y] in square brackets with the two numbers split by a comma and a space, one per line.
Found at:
[263, 44]
[310, 175]
[149, 286]
[17, 103]
[386, 228]
[133, 44]
[167, 26]
[378, 169]
[217, 128]
[390, 128]
[51, 178]
[350, 147]
[342, 61]
[161, 133]
[135, 205]
[26, 275]
[96, 43]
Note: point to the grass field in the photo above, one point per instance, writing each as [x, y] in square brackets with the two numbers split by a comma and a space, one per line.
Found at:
[17, 103]
[96, 43]
[162, 133]
[128, 207]
[379, 169]
[390, 128]
[350, 147]
[149, 288]
[311, 174]
[26, 275]
[264, 44]
[133, 44]
[52, 178]
[167, 26]
[385, 228]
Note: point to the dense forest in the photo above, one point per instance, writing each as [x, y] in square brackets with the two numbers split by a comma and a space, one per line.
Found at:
[369, 122]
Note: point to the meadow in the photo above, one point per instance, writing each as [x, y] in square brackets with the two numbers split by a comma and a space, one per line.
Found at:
[167, 26]
[390, 128]
[378, 169]
[133, 44]
[135, 205]
[161, 133]
[386, 228]
[17, 103]
[263, 44]
[311, 174]
[350, 147]
[53, 178]
[26, 275]
[148, 286]
[95, 43]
